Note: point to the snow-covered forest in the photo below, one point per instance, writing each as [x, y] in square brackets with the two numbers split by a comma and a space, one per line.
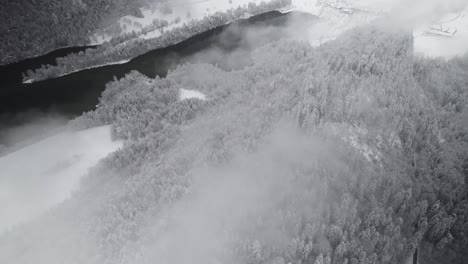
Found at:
[353, 150]
[307, 156]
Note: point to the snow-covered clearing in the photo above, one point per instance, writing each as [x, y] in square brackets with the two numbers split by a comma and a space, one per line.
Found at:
[42, 175]
[188, 94]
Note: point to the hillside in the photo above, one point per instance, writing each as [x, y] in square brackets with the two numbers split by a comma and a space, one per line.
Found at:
[31, 28]
[350, 152]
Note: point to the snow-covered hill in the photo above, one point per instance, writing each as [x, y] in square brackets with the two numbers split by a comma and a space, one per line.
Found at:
[41, 175]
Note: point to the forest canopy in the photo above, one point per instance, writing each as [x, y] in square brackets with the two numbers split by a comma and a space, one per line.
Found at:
[350, 152]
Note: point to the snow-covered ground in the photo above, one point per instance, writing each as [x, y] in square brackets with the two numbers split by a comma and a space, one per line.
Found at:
[182, 10]
[188, 94]
[42, 175]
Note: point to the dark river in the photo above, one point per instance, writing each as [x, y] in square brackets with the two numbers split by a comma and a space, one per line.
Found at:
[73, 94]
[11, 74]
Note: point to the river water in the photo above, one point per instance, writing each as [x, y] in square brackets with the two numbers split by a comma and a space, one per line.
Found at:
[72, 94]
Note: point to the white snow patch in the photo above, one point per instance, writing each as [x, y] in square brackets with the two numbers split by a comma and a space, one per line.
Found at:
[152, 34]
[42, 175]
[188, 94]
[363, 148]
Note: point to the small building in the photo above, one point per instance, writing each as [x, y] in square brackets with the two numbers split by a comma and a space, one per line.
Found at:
[441, 31]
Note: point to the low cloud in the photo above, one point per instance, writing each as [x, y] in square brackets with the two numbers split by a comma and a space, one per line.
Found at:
[20, 129]
[240, 206]
[415, 12]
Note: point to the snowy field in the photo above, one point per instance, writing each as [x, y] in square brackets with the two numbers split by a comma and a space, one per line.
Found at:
[42, 175]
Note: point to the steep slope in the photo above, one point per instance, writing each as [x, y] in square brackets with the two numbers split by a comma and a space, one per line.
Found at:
[31, 28]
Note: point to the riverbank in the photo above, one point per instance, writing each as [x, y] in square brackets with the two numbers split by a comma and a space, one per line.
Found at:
[111, 52]
[12, 74]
